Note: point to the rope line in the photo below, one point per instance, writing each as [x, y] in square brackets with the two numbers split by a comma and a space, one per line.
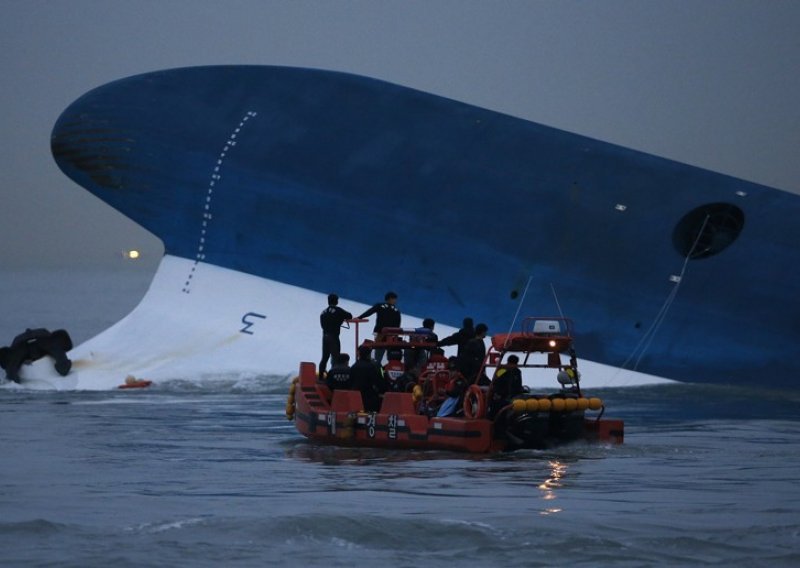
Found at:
[649, 335]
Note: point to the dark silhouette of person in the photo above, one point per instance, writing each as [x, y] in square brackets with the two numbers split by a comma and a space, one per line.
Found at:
[473, 354]
[388, 315]
[330, 320]
[367, 377]
[507, 384]
[34, 344]
[339, 375]
[461, 337]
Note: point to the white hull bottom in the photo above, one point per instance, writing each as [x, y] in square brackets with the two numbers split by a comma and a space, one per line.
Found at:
[227, 324]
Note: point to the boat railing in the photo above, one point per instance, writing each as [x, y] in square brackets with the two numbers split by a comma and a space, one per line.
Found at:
[356, 322]
[396, 337]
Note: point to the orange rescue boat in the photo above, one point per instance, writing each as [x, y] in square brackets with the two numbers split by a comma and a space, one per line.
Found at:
[408, 419]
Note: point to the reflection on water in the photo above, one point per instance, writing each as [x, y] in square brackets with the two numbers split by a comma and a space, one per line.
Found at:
[558, 470]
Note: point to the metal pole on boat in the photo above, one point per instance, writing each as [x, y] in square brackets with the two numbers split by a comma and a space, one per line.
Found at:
[519, 307]
[357, 321]
[558, 304]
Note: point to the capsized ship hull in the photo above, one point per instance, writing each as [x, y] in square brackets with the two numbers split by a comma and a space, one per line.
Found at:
[326, 181]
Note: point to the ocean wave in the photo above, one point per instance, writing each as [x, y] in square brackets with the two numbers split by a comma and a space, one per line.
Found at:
[40, 527]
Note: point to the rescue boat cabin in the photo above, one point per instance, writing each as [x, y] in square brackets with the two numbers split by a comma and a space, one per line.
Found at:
[540, 344]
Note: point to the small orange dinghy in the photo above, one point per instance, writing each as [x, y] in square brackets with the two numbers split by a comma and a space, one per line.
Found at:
[132, 382]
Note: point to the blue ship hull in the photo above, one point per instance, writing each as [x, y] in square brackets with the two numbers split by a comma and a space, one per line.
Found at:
[335, 182]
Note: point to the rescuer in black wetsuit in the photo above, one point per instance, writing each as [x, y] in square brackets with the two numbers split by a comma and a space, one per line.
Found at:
[473, 354]
[388, 315]
[34, 344]
[331, 320]
[461, 337]
[339, 375]
[367, 377]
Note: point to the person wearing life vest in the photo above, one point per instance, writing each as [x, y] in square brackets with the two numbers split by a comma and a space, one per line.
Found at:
[507, 384]
[330, 320]
[455, 390]
[395, 371]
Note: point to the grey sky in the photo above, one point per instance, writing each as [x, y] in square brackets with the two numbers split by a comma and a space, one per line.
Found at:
[713, 83]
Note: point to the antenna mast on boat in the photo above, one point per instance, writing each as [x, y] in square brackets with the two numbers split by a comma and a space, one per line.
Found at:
[558, 305]
[519, 307]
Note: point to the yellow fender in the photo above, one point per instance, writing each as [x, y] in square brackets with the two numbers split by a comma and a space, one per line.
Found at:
[291, 407]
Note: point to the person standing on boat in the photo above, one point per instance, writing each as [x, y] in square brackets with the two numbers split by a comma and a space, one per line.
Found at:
[367, 376]
[461, 337]
[388, 315]
[473, 354]
[339, 376]
[331, 320]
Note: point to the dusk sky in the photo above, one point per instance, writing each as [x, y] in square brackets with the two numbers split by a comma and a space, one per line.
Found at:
[715, 83]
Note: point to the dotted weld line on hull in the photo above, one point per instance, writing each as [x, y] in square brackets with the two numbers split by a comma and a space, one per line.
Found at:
[212, 183]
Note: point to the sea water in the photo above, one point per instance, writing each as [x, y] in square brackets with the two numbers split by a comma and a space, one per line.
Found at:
[213, 474]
